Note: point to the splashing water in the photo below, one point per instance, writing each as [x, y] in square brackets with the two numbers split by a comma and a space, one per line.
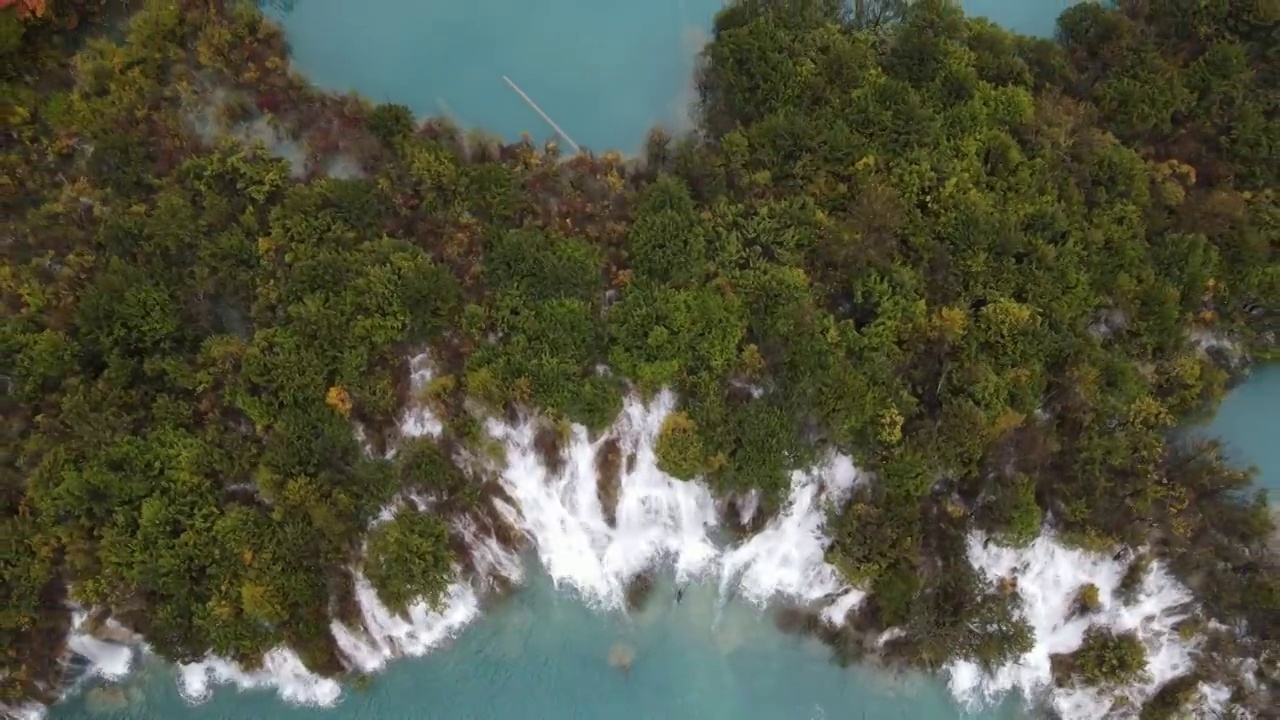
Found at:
[1048, 577]
[657, 516]
[281, 669]
[103, 659]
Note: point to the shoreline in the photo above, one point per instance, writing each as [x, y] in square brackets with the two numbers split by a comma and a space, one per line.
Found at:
[764, 621]
[829, 613]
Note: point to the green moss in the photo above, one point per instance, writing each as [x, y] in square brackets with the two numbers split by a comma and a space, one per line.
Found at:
[390, 123]
[1089, 540]
[998, 634]
[1190, 628]
[362, 683]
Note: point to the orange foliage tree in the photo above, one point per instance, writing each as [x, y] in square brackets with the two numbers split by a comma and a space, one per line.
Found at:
[26, 8]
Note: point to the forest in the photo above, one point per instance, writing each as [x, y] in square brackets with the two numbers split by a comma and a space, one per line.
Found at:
[1000, 272]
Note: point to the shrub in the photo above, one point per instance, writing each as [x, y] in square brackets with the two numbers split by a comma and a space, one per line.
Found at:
[408, 558]
[1087, 600]
[1107, 659]
[390, 122]
[680, 450]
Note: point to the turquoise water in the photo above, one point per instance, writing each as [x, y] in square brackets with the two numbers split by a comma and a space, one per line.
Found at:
[606, 71]
[1247, 420]
[1032, 17]
[543, 654]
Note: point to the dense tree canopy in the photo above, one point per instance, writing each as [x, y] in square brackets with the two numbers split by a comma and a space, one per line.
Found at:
[985, 266]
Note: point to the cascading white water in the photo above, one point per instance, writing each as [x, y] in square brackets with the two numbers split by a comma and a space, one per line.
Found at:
[656, 517]
[387, 635]
[661, 520]
[787, 557]
[383, 634]
[30, 711]
[1048, 577]
[103, 658]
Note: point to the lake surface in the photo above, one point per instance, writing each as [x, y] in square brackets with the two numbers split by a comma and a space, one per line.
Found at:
[1249, 421]
[543, 654]
[1033, 17]
[606, 71]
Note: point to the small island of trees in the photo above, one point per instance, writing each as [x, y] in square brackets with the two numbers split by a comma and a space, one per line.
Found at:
[999, 272]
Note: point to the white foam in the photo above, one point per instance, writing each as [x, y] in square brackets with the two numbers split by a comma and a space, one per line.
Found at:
[787, 557]
[382, 635]
[657, 517]
[748, 506]
[1048, 577]
[107, 660]
[1216, 698]
[29, 711]
[110, 653]
[418, 419]
[489, 558]
[387, 635]
[662, 519]
[282, 670]
[836, 613]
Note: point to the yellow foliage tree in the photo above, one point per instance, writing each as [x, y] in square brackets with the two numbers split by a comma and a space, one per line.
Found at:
[950, 323]
[890, 423]
[680, 450]
[339, 399]
[1007, 420]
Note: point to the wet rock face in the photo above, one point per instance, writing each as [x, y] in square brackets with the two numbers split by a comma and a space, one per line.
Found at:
[639, 590]
[106, 700]
[744, 515]
[1007, 585]
[608, 479]
[117, 635]
[854, 641]
[795, 621]
[548, 442]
